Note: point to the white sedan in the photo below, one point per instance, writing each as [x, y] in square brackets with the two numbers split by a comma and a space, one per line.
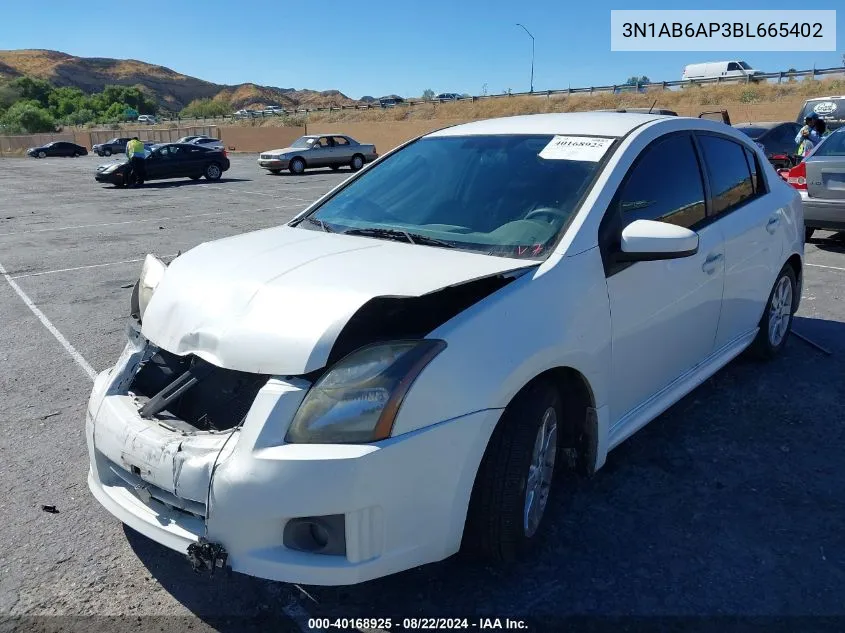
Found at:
[411, 365]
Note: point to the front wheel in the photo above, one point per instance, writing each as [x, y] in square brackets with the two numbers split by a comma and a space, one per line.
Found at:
[777, 318]
[213, 171]
[297, 166]
[42, 154]
[514, 481]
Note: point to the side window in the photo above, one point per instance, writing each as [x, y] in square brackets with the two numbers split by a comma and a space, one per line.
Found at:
[340, 141]
[665, 185]
[730, 178]
[323, 142]
[733, 66]
[757, 182]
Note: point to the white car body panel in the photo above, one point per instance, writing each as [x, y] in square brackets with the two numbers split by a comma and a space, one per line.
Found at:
[275, 301]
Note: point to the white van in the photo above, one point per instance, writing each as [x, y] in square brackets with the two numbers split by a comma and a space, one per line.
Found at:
[714, 70]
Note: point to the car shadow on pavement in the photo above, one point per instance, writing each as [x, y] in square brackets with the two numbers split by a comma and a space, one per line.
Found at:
[834, 242]
[311, 172]
[738, 480]
[169, 184]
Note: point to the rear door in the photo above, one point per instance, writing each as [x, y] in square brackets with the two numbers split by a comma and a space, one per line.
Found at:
[195, 158]
[752, 227]
[342, 150]
[826, 170]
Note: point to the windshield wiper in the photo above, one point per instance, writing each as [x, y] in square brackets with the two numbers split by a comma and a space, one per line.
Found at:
[412, 238]
[316, 222]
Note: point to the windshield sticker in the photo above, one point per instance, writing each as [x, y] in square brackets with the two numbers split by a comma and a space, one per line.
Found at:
[584, 148]
[825, 107]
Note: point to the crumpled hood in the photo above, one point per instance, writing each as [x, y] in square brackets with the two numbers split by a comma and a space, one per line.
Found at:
[274, 301]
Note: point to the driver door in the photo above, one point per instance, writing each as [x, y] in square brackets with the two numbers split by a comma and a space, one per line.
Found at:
[320, 154]
[664, 313]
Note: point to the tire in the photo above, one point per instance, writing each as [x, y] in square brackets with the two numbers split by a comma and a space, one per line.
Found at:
[106, 152]
[497, 525]
[213, 171]
[774, 331]
[808, 234]
[275, 171]
[357, 162]
[297, 166]
[42, 154]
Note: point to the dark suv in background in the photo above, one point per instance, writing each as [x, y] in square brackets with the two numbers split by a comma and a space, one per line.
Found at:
[114, 146]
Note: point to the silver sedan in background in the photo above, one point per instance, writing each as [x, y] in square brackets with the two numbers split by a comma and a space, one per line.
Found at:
[318, 150]
[823, 191]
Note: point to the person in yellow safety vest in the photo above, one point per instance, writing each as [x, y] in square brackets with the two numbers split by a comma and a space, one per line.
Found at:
[135, 152]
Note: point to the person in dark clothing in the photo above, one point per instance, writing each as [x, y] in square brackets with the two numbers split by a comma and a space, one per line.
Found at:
[135, 151]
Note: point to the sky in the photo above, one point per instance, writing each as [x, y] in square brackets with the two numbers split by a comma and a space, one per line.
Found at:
[377, 47]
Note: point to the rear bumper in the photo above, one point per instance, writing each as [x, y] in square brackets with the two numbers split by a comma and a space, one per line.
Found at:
[823, 214]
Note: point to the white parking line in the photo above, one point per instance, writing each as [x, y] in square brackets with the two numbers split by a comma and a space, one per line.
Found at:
[65, 270]
[142, 220]
[828, 267]
[86, 367]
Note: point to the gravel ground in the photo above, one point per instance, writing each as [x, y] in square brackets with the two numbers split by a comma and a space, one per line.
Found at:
[729, 504]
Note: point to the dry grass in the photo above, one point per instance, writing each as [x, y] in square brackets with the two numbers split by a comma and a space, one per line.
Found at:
[743, 101]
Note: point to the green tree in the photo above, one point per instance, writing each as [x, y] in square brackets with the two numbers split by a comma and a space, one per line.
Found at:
[8, 95]
[428, 94]
[27, 117]
[65, 101]
[32, 89]
[205, 108]
[633, 81]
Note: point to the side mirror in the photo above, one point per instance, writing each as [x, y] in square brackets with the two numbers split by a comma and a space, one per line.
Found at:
[646, 240]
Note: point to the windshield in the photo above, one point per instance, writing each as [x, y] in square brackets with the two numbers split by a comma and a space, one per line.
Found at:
[303, 141]
[745, 66]
[753, 132]
[827, 109]
[489, 194]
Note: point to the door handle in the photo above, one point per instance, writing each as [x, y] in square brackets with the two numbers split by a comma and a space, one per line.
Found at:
[772, 224]
[711, 263]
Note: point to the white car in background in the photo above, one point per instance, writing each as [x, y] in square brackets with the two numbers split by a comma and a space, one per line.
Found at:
[409, 366]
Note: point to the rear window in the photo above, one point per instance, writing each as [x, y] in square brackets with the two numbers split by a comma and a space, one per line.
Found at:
[833, 145]
[827, 109]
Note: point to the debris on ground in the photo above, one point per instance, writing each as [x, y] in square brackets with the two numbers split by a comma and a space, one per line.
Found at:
[50, 509]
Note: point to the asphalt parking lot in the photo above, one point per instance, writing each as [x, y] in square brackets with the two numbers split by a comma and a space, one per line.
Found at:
[729, 504]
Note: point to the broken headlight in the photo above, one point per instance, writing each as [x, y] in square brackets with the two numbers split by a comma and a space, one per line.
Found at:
[151, 273]
[358, 398]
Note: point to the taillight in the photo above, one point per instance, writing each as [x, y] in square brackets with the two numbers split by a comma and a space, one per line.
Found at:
[225, 153]
[797, 176]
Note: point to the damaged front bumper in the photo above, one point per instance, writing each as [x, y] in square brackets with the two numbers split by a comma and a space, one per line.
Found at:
[306, 513]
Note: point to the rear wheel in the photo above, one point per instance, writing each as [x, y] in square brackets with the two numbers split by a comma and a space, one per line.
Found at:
[777, 319]
[514, 482]
[213, 171]
[808, 234]
[297, 166]
[106, 152]
[357, 162]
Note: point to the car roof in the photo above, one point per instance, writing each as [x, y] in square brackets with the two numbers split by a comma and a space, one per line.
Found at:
[616, 124]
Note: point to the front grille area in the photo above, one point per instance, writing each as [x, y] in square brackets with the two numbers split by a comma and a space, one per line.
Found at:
[219, 400]
[267, 157]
